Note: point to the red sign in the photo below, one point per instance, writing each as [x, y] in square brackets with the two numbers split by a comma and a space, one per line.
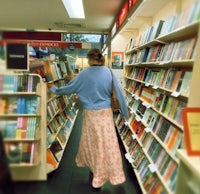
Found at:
[123, 13]
[132, 3]
[53, 36]
[44, 44]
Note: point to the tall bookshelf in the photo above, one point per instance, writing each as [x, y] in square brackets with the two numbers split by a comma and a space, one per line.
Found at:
[22, 120]
[160, 76]
[61, 109]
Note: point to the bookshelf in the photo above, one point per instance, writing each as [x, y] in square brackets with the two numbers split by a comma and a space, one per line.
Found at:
[61, 110]
[160, 74]
[22, 99]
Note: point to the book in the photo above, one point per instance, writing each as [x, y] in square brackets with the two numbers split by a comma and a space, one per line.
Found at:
[8, 128]
[170, 78]
[163, 130]
[147, 116]
[142, 165]
[186, 82]
[172, 139]
[139, 158]
[51, 159]
[160, 158]
[157, 28]
[18, 152]
[169, 171]
[151, 147]
[158, 124]
[176, 80]
[156, 152]
[147, 95]
[56, 148]
[165, 165]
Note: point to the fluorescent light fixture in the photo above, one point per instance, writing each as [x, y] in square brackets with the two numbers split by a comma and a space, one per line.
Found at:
[74, 8]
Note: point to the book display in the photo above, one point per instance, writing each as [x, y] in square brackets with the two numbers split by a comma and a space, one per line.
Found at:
[35, 124]
[61, 110]
[159, 78]
[22, 99]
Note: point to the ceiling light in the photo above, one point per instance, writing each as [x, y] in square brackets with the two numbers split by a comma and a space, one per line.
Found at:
[74, 8]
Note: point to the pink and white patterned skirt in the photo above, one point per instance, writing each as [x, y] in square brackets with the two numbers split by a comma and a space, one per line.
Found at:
[99, 148]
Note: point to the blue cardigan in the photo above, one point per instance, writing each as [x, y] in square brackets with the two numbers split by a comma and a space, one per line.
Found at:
[93, 86]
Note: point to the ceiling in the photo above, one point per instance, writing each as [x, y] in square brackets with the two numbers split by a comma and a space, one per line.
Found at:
[50, 15]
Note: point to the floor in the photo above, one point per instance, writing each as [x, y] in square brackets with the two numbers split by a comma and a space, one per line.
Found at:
[69, 179]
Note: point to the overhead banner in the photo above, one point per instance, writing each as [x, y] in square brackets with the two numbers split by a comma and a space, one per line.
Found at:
[44, 44]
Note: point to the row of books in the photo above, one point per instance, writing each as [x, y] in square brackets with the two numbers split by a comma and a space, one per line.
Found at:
[56, 71]
[170, 106]
[59, 104]
[173, 51]
[21, 152]
[147, 35]
[170, 135]
[189, 15]
[18, 83]
[61, 134]
[146, 117]
[170, 79]
[161, 161]
[21, 128]
[56, 142]
[19, 105]
[52, 108]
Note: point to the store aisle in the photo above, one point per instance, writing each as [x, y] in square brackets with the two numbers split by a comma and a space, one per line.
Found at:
[69, 179]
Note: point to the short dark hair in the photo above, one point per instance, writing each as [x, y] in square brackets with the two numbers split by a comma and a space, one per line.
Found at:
[95, 54]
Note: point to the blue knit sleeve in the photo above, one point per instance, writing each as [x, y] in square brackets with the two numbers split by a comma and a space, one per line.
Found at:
[69, 88]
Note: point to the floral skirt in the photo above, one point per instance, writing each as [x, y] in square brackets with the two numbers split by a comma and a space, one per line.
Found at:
[99, 148]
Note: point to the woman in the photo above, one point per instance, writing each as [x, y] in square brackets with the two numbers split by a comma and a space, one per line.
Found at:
[98, 148]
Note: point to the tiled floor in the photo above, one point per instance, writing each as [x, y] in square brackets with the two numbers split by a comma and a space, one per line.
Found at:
[69, 179]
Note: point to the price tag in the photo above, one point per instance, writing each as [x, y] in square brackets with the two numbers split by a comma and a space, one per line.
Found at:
[147, 129]
[147, 84]
[138, 118]
[134, 136]
[129, 158]
[155, 87]
[152, 168]
[127, 155]
[147, 105]
[126, 123]
[137, 97]
[133, 95]
[175, 94]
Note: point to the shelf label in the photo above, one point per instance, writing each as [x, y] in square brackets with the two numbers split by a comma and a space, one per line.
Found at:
[138, 118]
[155, 87]
[147, 84]
[126, 123]
[164, 62]
[133, 95]
[134, 136]
[137, 97]
[147, 129]
[175, 94]
[152, 168]
[147, 105]
[129, 158]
